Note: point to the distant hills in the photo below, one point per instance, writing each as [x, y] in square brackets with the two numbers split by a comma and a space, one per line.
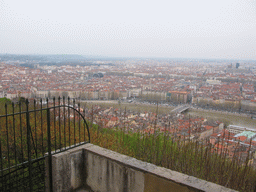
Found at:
[82, 59]
[55, 58]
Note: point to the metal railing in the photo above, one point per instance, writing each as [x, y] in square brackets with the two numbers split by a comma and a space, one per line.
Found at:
[32, 130]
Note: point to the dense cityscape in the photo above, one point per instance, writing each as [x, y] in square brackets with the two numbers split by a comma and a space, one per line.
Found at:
[211, 85]
[128, 95]
[226, 85]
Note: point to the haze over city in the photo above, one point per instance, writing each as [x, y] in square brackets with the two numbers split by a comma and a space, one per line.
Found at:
[152, 92]
[173, 29]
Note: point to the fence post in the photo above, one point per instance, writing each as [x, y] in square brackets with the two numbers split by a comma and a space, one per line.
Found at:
[49, 147]
[29, 147]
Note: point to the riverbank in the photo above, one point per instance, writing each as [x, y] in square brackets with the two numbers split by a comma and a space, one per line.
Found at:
[223, 116]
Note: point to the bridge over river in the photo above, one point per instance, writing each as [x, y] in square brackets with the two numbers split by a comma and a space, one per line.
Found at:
[180, 109]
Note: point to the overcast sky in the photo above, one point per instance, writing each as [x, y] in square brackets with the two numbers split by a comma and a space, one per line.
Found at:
[147, 28]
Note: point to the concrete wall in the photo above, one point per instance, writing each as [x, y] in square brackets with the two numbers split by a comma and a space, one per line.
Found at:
[103, 170]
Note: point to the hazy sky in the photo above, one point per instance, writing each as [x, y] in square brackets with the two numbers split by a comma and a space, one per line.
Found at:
[148, 28]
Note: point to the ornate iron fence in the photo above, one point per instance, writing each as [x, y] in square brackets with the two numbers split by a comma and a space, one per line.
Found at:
[32, 130]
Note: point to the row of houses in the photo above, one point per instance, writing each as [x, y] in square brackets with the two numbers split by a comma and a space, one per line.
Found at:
[178, 96]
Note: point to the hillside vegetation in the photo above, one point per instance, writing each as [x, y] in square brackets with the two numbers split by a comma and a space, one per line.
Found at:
[196, 158]
[192, 158]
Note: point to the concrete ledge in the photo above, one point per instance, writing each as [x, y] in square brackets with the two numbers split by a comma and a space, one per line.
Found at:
[105, 170]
